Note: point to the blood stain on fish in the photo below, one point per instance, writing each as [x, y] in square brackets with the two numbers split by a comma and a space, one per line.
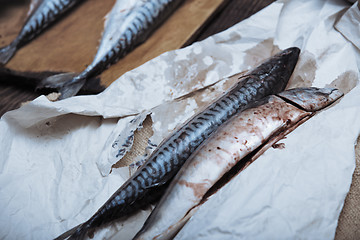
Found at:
[198, 188]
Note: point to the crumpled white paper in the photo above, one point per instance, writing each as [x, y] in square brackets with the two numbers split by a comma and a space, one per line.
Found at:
[55, 166]
[350, 18]
[291, 193]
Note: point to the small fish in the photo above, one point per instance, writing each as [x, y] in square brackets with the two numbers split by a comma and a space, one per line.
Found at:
[124, 30]
[241, 135]
[42, 13]
[149, 181]
[31, 79]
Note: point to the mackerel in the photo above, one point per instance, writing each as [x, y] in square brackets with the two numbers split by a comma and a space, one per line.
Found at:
[129, 24]
[250, 132]
[149, 181]
[42, 13]
[28, 79]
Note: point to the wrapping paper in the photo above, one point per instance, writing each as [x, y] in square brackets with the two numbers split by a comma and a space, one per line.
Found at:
[56, 166]
[350, 18]
[282, 195]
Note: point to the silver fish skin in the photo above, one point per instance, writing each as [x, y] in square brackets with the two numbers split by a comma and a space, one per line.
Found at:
[152, 177]
[238, 137]
[125, 29]
[42, 13]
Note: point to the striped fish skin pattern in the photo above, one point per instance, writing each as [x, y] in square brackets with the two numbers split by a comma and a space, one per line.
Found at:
[243, 134]
[271, 77]
[135, 28]
[43, 14]
[143, 20]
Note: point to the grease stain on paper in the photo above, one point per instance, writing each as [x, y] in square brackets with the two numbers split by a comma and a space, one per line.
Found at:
[305, 71]
[345, 82]
[260, 52]
[167, 117]
[233, 38]
[193, 71]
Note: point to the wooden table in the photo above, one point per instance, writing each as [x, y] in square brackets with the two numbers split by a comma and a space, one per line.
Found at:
[227, 15]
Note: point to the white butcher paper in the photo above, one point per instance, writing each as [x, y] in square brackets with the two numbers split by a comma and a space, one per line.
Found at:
[56, 157]
[350, 18]
[292, 193]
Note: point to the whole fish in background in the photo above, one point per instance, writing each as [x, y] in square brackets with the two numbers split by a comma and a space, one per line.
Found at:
[148, 182]
[30, 80]
[41, 14]
[243, 134]
[130, 23]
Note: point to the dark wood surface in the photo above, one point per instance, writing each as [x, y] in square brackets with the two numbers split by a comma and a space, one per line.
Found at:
[11, 97]
[235, 11]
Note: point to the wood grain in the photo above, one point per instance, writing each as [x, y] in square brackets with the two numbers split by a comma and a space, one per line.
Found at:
[173, 34]
[71, 43]
[67, 45]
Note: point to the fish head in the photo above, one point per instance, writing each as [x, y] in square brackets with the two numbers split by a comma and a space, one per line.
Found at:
[279, 67]
[288, 58]
[311, 99]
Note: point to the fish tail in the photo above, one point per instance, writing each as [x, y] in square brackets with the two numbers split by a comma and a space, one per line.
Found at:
[67, 84]
[7, 52]
[76, 233]
[79, 233]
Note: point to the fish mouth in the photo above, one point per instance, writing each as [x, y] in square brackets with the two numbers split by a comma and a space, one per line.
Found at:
[292, 55]
[289, 57]
[295, 51]
[287, 60]
[280, 67]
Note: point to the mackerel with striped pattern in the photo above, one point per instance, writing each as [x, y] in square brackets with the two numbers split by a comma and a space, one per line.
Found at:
[148, 182]
[42, 13]
[125, 29]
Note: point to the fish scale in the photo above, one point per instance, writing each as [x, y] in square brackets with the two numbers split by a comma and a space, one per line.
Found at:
[129, 38]
[135, 28]
[234, 146]
[145, 182]
[42, 15]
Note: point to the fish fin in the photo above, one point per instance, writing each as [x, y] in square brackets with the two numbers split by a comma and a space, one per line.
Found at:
[76, 233]
[33, 6]
[56, 81]
[72, 89]
[68, 233]
[6, 53]
[63, 84]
